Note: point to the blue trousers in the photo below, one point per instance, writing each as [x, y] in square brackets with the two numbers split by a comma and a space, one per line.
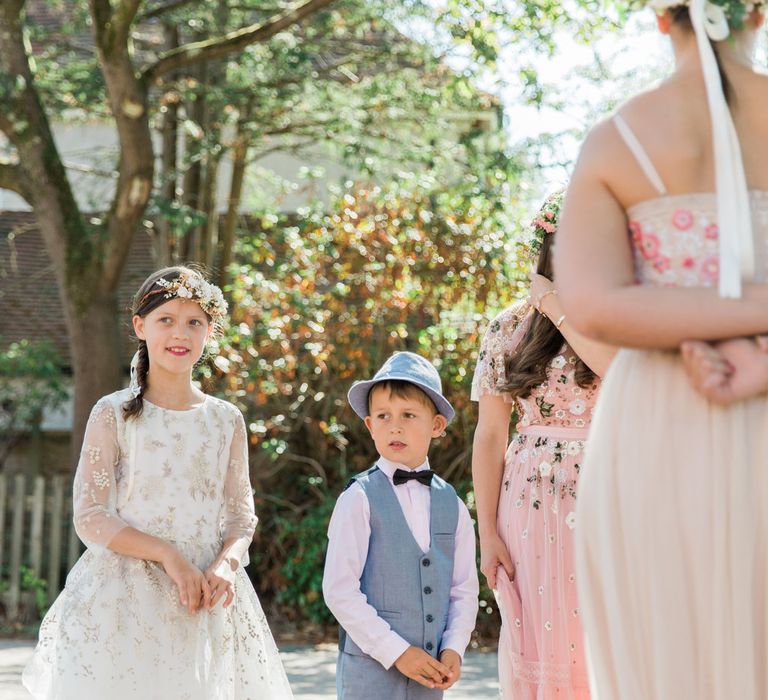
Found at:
[364, 678]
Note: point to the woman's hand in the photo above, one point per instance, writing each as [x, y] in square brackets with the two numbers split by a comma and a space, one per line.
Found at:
[729, 371]
[493, 554]
[540, 286]
[221, 579]
[194, 590]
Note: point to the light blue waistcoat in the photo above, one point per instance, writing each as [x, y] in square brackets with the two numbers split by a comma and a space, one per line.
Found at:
[410, 589]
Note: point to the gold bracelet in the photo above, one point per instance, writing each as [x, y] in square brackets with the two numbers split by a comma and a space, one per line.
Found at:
[559, 322]
[542, 297]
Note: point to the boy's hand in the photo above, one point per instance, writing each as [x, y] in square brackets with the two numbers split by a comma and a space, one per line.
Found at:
[419, 666]
[453, 661]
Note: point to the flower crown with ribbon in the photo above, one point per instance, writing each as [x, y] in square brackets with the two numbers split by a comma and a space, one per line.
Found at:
[719, 15]
[545, 224]
[712, 20]
[196, 288]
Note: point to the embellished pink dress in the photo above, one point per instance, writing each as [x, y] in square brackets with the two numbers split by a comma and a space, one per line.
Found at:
[672, 543]
[541, 650]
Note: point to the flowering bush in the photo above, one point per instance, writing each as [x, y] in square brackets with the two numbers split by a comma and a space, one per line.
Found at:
[323, 302]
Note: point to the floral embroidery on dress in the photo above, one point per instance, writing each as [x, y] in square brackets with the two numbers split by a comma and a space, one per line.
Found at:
[559, 401]
[682, 219]
[678, 246]
[90, 634]
[536, 514]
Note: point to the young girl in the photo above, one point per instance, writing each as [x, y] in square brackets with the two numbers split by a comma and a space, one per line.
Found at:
[160, 606]
[532, 361]
[672, 538]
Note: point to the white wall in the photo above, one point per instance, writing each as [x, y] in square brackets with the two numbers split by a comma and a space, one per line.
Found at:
[89, 151]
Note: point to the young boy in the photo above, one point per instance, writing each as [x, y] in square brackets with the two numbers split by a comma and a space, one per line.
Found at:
[400, 574]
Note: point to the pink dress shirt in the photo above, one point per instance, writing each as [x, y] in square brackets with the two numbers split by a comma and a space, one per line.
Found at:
[348, 535]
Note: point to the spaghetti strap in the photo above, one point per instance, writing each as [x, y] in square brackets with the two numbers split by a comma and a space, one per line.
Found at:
[639, 152]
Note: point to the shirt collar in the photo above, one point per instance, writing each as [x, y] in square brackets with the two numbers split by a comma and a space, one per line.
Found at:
[389, 467]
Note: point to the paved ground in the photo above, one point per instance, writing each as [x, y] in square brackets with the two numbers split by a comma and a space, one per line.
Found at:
[310, 669]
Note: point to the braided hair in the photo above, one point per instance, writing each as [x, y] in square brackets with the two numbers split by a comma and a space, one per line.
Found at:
[150, 296]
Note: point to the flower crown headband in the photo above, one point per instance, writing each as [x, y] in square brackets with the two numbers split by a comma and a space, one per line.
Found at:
[719, 15]
[545, 223]
[194, 287]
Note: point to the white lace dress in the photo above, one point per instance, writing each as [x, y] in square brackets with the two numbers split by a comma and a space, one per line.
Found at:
[118, 630]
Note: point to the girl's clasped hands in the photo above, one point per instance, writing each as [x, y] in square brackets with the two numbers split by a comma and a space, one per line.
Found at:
[198, 589]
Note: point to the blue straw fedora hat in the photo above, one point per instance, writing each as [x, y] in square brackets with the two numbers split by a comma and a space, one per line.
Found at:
[405, 367]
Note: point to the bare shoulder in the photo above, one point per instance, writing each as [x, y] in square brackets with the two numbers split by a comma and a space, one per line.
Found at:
[641, 112]
[598, 151]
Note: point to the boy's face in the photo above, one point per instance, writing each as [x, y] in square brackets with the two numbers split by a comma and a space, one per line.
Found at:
[402, 427]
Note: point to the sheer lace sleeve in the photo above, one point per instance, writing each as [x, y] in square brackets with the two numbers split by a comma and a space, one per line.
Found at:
[95, 490]
[239, 513]
[501, 338]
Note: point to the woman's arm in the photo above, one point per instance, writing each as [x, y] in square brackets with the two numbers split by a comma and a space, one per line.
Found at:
[488, 450]
[595, 276]
[596, 355]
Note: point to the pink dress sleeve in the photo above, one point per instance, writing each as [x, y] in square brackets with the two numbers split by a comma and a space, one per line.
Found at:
[95, 487]
[501, 338]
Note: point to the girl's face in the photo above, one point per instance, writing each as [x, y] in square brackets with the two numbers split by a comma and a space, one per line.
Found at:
[175, 334]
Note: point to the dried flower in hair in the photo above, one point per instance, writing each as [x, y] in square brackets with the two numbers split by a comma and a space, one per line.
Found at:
[545, 224]
[194, 286]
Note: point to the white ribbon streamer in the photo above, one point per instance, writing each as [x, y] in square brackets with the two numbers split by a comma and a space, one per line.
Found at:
[737, 253]
[134, 386]
[131, 428]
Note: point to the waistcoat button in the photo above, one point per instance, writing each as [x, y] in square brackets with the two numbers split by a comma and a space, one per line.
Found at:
[425, 562]
[430, 618]
[427, 590]
[429, 646]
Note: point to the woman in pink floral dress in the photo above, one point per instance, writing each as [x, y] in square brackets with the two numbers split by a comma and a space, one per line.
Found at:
[526, 492]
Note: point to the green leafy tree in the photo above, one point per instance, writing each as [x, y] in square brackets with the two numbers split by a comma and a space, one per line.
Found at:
[30, 383]
[221, 76]
[88, 254]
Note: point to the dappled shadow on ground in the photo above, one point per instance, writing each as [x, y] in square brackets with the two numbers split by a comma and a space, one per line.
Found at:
[311, 670]
[312, 673]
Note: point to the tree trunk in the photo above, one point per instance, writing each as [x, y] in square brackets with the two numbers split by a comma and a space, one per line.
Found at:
[165, 246]
[210, 206]
[227, 234]
[87, 262]
[193, 177]
[76, 252]
[96, 362]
